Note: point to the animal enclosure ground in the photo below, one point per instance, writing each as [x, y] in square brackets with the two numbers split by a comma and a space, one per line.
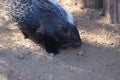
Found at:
[97, 59]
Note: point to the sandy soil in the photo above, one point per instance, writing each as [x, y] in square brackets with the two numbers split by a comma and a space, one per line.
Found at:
[97, 59]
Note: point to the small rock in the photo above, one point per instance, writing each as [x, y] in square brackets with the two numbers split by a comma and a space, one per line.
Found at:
[73, 68]
[101, 13]
[112, 43]
[0, 46]
[52, 54]
[50, 77]
[81, 53]
[88, 16]
[114, 31]
[76, 4]
[19, 56]
[83, 32]
[111, 64]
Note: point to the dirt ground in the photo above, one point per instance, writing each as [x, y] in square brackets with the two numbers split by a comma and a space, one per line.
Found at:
[97, 59]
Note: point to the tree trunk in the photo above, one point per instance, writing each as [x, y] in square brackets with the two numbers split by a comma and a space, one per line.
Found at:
[98, 4]
[112, 11]
[119, 11]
